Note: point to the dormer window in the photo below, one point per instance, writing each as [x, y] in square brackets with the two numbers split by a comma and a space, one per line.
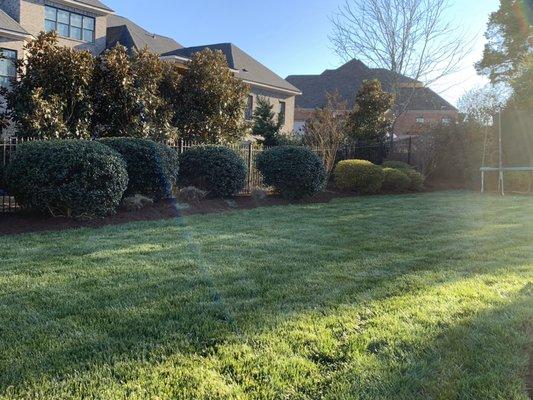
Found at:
[69, 24]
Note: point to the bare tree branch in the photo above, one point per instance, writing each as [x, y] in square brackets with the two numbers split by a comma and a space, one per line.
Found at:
[409, 38]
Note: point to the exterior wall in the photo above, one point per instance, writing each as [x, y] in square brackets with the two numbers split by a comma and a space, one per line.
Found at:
[30, 15]
[274, 98]
[407, 124]
[18, 46]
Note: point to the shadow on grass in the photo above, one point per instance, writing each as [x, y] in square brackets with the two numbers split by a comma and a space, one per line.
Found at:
[78, 300]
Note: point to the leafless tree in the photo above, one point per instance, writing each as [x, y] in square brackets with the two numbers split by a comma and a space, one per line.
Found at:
[325, 130]
[409, 38]
[481, 104]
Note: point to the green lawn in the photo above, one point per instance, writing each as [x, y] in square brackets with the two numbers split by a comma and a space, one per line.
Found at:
[424, 296]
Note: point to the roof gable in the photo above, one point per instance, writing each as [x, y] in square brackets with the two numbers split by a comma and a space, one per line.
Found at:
[246, 67]
[122, 31]
[348, 79]
[95, 3]
[9, 25]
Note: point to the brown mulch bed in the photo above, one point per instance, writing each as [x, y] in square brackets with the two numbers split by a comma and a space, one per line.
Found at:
[19, 222]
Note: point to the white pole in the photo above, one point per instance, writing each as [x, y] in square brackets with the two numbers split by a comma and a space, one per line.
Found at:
[501, 176]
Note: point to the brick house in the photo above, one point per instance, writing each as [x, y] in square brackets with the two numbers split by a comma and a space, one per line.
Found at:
[91, 25]
[423, 107]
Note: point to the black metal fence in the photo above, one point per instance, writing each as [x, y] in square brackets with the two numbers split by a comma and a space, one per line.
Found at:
[402, 150]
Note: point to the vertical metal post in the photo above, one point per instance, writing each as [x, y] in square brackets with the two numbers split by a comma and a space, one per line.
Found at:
[410, 149]
[180, 146]
[501, 174]
[250, 165]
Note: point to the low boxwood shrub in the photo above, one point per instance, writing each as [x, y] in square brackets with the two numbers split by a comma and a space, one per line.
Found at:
[294, 171]
[395, 181]
[359, 175]
[219, 171]
[417, 179]
[75, 178]
[2, 176]
[152, 169]
[397, 165]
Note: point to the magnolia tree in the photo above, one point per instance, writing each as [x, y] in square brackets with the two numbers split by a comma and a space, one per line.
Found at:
[209, 102]
[368, 122]
[326, 129]
[52, 98]
[127, 98]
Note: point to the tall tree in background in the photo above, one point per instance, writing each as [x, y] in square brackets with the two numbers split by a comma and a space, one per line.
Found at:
[410, 38]
[210, 100]
[326, 129]
[509, 40]
[266, 124]
[127, 98]
[368, 122]
[52, 97]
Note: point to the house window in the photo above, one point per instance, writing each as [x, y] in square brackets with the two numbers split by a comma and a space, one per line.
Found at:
[249, 113]
[446, 121]
[69, 24]
[8, 68]
[420, 119]
[282, 112]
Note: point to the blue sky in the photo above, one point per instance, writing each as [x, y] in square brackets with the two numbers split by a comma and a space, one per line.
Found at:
[289, 36]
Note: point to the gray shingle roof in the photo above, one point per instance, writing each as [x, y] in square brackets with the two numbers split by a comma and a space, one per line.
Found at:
[122, 30]
[347, 80]
[247, 67]
[9, 24]
[95, 3]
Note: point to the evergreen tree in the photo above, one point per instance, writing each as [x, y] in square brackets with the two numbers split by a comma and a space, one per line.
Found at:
[368, 121]
[52, 97]
[508, 37]
[265, 124]
[209, 102]
[127, 97]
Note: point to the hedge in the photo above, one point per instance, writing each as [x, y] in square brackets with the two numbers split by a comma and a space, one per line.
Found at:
[152, 169]
[294, 171]
[417, 179]
[67, 177]
[217, 170]
[359, 175]
[395, 181]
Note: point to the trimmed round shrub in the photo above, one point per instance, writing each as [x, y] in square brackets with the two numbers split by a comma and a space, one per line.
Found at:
[359, 175]
[217, 170]
[171, 163]
[2, 176]
[397, 165]
[152, 170]
[395, 181]
[296, 172]
[76, 178]
[417, 180]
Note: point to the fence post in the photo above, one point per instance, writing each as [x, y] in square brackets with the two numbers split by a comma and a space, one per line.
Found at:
[180, 146]
[410, 149]
[250, 165]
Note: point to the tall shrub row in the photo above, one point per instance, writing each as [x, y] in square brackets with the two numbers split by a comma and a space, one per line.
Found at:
[63, 93]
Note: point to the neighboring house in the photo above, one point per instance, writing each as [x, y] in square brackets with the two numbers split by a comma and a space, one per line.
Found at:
[91, 25]
[422, 105]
